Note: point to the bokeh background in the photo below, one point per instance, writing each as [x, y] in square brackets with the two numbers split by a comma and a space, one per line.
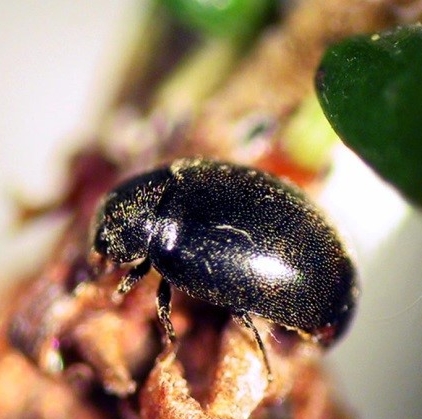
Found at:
[60, 63]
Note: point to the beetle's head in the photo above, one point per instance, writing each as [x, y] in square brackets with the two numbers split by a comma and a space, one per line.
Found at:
[125, 221]
[122, 229]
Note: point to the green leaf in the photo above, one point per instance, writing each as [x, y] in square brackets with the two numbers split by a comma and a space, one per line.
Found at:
[370, 88]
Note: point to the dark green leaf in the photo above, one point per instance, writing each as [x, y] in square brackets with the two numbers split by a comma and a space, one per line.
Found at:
[370, 88]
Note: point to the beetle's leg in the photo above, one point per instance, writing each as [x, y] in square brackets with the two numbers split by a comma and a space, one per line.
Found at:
[244, 319]
[133, 276]
[164, 308]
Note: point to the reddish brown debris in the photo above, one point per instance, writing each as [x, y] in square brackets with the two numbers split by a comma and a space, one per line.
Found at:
[90, 175]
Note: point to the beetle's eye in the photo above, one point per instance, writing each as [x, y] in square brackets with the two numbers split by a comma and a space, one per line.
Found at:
[101, 242]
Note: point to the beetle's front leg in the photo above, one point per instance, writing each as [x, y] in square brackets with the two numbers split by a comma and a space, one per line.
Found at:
[164, 308]
[133, 276]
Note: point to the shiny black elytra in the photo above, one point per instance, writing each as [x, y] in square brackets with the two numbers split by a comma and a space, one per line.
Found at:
[235, 237]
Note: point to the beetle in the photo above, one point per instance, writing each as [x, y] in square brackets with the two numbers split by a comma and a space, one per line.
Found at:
[232, 236]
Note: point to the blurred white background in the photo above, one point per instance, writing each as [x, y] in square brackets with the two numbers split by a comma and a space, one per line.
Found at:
[57, 60]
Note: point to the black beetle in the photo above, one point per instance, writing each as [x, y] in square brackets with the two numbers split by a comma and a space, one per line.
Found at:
[235, 237]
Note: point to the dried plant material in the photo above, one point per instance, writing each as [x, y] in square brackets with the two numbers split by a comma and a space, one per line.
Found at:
[166, 393]
[240, 387]
[239, 354]
[27, 393]
[117, 340]
[99, 332]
